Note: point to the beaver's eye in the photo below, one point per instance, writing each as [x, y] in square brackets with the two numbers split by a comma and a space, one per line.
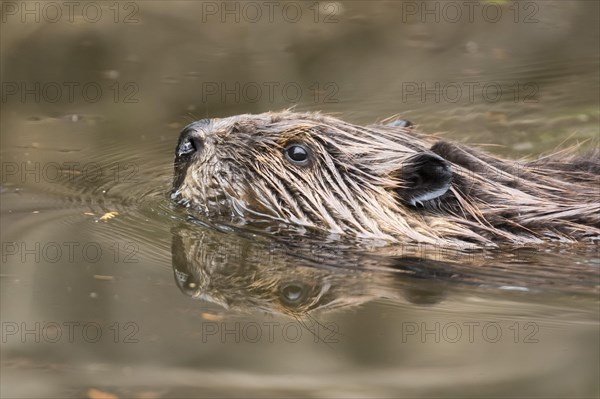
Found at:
[297, 154]
[293, 294]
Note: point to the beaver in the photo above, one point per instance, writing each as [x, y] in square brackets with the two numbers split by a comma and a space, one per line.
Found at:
[382, 181]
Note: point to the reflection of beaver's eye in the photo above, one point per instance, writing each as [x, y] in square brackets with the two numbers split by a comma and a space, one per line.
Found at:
[297, 154]
[293, 293]
[186, 283]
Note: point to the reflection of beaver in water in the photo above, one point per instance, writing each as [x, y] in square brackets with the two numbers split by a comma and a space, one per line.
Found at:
[296, 277]
[382, 181]
[251, 275]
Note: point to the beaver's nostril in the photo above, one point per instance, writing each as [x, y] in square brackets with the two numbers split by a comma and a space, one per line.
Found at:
[185, 147]
[189, 143]
[191, 138]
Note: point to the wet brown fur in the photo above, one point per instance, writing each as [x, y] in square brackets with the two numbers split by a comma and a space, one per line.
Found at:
[352, 185]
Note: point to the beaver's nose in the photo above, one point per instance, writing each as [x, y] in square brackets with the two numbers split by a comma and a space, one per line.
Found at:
[191, 138]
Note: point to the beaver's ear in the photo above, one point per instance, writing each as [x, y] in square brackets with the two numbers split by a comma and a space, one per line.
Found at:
[423, 177]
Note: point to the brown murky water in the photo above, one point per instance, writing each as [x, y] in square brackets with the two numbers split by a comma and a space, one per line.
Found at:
[107, 289]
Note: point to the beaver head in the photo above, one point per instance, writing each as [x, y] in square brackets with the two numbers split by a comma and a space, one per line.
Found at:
[316, 171]
[308, 170]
